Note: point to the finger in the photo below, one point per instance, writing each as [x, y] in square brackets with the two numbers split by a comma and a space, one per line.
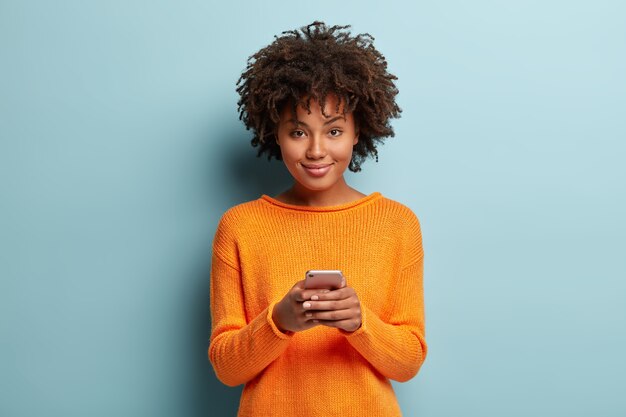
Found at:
[297, 291]
[339, 294]
[333, 315]
[299, 284]
[305, 295]
[329, 305]
[308, 294]
[349, 325]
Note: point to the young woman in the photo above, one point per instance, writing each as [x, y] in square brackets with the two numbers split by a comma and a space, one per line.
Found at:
[318, 99]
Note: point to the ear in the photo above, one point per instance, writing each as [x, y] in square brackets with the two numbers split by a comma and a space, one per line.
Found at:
[356, 139]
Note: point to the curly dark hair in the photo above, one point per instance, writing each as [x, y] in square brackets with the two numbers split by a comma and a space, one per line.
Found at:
[310, 64]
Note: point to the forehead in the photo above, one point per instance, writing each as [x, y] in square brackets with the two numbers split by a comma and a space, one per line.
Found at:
[333, 106]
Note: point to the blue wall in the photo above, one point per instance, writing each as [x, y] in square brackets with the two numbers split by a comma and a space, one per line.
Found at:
[120, 148]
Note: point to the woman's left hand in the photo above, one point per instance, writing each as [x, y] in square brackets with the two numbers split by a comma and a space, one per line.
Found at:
[338, 308]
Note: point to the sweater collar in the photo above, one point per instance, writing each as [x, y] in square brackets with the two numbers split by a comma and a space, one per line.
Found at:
[355, 203]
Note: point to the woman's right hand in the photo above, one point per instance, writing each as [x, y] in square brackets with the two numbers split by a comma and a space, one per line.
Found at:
[289, 314]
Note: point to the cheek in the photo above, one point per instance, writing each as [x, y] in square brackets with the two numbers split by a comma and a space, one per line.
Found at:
[290, 153]
[343, 150]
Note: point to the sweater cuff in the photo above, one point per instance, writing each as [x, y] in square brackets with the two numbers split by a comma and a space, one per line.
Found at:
[270, 321]
[373, 330]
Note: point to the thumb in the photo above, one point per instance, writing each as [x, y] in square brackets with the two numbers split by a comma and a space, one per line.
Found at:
[343, 282]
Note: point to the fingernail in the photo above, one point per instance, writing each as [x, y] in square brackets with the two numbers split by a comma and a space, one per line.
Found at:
[316, 321]
[308, 314]
[315, 298]
[306, 305]
[325, 291]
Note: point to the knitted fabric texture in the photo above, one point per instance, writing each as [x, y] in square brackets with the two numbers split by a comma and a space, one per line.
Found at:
[260, 250]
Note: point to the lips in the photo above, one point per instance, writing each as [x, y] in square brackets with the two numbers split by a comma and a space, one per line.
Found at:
[317, 170]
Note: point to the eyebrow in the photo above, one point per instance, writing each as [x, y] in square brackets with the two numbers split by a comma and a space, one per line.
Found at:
[297, 122]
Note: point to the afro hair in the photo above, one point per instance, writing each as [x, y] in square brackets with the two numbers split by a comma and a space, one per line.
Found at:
[309, 64]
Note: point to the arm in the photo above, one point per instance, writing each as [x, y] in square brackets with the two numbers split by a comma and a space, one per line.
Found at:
[396, 347]
[238, 350]
[394, 341]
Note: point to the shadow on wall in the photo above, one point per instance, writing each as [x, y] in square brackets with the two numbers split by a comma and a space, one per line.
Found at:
[252, 176]
[236, 177]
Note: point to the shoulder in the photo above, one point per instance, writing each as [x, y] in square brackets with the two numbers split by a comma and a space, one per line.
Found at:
[399, 212]
[242, 218]
[231, 229]
[408, 229]
[241, 212]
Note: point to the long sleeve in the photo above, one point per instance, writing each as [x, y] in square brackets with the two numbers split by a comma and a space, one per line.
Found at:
[238, 350]
[396, 346]
[261, 249]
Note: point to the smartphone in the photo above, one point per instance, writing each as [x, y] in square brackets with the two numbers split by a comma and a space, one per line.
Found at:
[323, 279]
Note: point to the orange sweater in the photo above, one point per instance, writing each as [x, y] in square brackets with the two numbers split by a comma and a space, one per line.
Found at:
[261, 248]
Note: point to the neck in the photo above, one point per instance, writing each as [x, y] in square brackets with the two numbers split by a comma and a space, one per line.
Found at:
[340, 193]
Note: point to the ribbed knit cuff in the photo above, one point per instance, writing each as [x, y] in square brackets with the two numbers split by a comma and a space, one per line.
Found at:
[239, 355]
[375, 331]
[270, 321]
[394, 351]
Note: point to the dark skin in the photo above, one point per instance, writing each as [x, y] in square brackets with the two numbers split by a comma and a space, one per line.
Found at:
[332, 60]
[317, 141]
[301, 309]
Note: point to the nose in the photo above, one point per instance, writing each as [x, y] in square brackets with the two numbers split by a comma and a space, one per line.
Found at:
[316, 148]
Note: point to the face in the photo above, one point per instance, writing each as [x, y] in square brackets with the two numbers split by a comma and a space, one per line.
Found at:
[317, 149]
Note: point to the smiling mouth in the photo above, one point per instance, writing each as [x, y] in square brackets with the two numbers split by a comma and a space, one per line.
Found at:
[317, 172]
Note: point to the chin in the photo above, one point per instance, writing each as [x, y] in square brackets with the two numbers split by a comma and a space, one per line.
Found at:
[312, 187]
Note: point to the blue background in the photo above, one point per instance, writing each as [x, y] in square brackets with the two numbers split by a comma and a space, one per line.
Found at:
[120, 148]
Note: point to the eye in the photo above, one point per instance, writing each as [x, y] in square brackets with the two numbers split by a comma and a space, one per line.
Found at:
[297, 133]
[335, 132]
